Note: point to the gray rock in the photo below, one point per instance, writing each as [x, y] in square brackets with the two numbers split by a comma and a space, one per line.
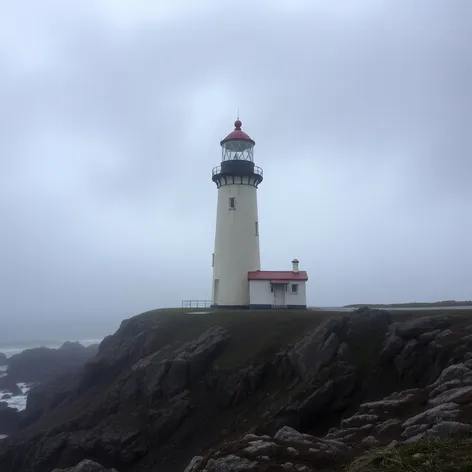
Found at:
[359, 420]
[447, 429]
[388, 427]
[289, 434]
[394, 403]
[370, 442]
[292, 451]
[344, 353]
[461, 396]
[444, 334]
[453, 372]
[255, 437]
[445, 411]
[177, 377]
[446, 386]
[415, 439]
[86, 466]
[194, 464]
[318, 400]
[429, 336]
[407, 356]
[231, 463]
[417, 326]
[260, 447]
[349, 434]
[200, 352]
[414, 430]
[314, 350]
[392, 346]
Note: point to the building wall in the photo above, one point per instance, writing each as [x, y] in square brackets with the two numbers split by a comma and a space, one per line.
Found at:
[236, 244]
[296, 299]
[260, 294]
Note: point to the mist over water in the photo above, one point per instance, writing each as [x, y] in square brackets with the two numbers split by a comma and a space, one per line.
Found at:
[45, 330]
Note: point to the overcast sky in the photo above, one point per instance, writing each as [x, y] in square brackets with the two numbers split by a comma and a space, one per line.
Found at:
[111, 113]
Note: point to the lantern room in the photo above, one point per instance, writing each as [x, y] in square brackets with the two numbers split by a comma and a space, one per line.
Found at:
[237, 145]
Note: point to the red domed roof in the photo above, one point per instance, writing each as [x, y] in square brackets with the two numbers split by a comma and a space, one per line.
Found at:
[237, 134]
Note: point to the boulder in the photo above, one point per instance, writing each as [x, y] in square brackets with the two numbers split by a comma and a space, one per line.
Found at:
[449, 429]
[451, 373]
[291, 435]
[445, 411]
[414, 328]
[9, 385]
[314, 351]
[460, 395]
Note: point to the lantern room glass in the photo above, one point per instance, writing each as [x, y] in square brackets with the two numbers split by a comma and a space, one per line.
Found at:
[237, 150]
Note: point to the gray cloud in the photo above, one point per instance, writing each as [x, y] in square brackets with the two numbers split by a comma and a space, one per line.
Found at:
[110, 124]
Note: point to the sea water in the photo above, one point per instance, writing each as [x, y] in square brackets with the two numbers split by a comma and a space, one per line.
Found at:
[19, 401]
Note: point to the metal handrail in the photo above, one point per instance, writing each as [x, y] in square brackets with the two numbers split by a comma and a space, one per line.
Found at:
[196, 303]
[257, 170]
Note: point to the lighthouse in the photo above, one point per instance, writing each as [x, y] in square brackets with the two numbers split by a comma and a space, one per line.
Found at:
[236, 250]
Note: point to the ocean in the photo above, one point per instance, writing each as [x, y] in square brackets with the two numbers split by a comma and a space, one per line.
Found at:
[19, 401]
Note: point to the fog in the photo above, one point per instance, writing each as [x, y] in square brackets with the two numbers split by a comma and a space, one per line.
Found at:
[111, 117]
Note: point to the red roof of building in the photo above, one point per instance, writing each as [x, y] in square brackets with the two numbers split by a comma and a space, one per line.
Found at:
[277, 275]
[237, 133]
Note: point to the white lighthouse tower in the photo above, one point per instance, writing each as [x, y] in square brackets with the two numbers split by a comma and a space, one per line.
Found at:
[237, 227]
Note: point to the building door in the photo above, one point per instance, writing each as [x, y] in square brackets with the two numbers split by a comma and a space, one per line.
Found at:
[215, 291]
[279, 295]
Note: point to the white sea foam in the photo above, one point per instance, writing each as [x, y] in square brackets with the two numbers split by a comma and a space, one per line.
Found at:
[19, 401]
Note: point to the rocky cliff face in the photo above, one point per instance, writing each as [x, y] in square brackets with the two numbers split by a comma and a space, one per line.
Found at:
[153, 398]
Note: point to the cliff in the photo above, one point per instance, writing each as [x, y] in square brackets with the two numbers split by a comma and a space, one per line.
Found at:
[252, 391]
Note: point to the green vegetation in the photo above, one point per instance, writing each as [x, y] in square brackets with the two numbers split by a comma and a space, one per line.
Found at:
[255, 334]
[434, 455]
[444, 303]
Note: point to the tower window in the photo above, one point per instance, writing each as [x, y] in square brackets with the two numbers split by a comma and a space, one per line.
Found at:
[294, 288]
[257, 228]
[232, 202]
[213, 260]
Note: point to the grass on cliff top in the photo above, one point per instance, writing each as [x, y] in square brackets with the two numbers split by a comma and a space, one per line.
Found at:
[434, 455]
[446, 303]
[255, 334]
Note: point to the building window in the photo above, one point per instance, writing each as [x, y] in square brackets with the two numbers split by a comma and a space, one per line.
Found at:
[271, 288]
[257, 228]
[294, 288]
[213, 260]
[232, 203]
